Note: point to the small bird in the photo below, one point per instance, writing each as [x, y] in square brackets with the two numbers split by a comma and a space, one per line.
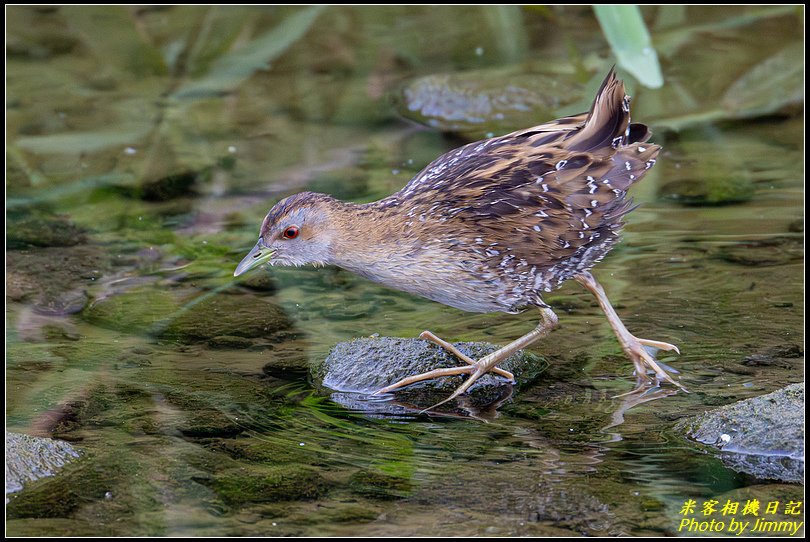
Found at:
[489, 227]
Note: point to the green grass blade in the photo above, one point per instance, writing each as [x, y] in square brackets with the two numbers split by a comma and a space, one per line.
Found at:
[231, 69]
[627, 35]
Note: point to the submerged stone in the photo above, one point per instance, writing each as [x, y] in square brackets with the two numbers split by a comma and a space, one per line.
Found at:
[31, 458]
[229, 341]
[259, 282]
[54, 279]
[270, 484]
[369, 364]
[137, 311]
[779, 356]
[61, 303]
[208, 423]
[171, 186]
[220, 316]
[40, 230]
[708, 191]
[497, 100]
[762, 436]
[378, 485]
[779, 250]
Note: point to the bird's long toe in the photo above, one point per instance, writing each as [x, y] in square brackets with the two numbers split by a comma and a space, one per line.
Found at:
[425, 376]
[645, 363]
[429, 336]
[660, 345]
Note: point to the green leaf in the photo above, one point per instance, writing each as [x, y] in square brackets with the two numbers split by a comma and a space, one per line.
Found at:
[229, 70]
[627, 35]
[81, 142]
[509, 29]
[774, 83]
[671, 38]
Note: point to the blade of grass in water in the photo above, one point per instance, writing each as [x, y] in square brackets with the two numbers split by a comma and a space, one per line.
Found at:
[627, 35]
[231, 69]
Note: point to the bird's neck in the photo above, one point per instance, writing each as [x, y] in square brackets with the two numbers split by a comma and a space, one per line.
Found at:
[369, 239]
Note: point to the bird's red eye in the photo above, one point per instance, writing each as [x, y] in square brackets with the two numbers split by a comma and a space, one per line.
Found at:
[291, 232]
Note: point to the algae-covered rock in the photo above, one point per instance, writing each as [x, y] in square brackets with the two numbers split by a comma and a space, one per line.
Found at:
[787, 356]
[227, 316]
[711, 176]
[61, 303]
[53, 278]
[378, 485]
[260, 451]
[775, 250]
[229, 342]
[762, 436]
[368, 364]
[137, 311]
[80, 486]
[171, 186]
[258, 282]
[271, 484]
[31, 458]
[705, 167]
[712, 190]
[41, 230]
[481, 102]
[208, 423]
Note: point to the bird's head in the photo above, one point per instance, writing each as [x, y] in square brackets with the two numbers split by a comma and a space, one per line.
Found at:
[296, 231]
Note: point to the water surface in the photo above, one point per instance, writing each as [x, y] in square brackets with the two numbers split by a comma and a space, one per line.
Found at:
[146, 144]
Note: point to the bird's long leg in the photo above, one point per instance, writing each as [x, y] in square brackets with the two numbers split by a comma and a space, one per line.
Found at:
[428, 336]
[632, 346]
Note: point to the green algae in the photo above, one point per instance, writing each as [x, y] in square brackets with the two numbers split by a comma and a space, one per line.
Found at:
[269, 484]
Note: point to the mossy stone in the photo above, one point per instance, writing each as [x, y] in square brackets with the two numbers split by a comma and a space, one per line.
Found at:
[78, 484]
[229, 341]
[208, 423]
[30, 458]
[272, 484]
[378, 485]
[227, 315]
[137, 311]
[259, 451]
[42, 231]
[762, 436]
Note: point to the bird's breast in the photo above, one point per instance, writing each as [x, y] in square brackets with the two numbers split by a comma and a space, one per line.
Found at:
[439, 272]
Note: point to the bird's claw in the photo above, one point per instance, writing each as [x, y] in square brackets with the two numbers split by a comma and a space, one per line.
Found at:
[645, 363]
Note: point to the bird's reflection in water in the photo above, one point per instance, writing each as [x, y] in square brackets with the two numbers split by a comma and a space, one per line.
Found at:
[634, 398]
[410, 406]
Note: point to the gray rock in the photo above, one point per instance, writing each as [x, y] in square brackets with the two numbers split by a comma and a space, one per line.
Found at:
[762, 436]
[368, 364]
[497, 100]
[31, 458]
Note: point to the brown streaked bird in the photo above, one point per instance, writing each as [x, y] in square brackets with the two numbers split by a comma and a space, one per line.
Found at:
[488, 227]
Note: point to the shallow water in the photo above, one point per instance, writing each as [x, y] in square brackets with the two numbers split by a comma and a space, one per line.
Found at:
[142, 155]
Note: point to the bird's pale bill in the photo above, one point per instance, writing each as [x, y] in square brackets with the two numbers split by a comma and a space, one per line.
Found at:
[257, 256]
